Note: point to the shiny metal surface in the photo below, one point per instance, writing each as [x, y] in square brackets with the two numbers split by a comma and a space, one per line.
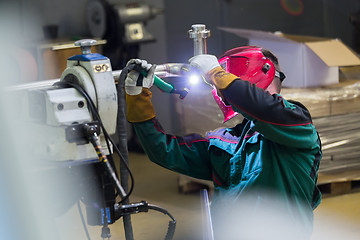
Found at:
[199, 34]
[162, 71]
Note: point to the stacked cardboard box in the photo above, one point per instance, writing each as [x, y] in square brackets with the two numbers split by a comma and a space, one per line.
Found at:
[336, 114]
[307, 61]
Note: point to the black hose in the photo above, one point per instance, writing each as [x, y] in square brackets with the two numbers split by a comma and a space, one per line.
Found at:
[121, 89]
[122, 138]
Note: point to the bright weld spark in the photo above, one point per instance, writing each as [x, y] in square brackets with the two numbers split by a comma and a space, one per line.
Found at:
[194, 79]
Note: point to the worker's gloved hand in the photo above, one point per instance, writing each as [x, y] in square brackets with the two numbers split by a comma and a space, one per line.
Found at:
[214, 74]
[204, 63]
[142, 75]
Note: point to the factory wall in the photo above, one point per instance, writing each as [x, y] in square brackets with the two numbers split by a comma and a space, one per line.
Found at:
[324, 18]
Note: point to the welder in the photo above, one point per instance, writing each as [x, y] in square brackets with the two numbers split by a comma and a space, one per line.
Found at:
[264, 169]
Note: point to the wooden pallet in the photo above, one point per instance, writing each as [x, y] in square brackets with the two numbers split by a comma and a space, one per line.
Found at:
[339, 188]
[191, 185]
[338, 183]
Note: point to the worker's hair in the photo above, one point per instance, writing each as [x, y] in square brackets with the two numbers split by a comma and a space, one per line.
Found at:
[268, 54]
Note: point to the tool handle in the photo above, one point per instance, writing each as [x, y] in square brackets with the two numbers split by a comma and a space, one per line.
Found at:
[162, 85]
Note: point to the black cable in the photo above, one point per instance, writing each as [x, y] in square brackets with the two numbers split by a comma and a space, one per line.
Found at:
[162, 210]
[143, 206]
[83, 221]
[172, 224]
[107, 137]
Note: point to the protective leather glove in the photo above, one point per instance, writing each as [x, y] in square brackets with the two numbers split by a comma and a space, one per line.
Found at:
[209, 66]
[139, 107]
[204, 63]
[142, 75]
[138, 95]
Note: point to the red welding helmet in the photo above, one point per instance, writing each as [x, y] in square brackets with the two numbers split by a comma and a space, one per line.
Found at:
[249, 64]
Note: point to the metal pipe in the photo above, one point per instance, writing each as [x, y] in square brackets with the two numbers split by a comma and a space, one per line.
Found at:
[208, 233]
[162, 71]
[199, 34]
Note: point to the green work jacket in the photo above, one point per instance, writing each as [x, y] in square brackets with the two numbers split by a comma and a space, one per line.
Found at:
[270, 160]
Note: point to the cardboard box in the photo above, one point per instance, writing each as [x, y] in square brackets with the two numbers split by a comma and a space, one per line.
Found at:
[306, 61]
[332, 100]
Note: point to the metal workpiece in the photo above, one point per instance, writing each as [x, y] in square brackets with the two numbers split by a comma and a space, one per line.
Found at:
[199, 34]
[162, 70]
[171, 69]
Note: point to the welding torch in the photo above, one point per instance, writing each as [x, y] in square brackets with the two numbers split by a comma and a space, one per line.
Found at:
[162, 71]
[199, 34]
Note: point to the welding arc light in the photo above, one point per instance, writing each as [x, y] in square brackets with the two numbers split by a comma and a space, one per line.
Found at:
[194, 79]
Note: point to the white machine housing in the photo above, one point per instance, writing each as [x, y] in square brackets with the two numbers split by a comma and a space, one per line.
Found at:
[49, 111]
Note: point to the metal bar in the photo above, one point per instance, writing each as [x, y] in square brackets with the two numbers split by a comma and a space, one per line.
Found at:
[162, 71]
[208, 233]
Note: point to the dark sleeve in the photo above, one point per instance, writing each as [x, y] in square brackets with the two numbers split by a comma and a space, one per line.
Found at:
[284, 122]
[183, 154]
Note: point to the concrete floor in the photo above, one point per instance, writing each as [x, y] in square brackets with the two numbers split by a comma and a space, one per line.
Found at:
[336, 217]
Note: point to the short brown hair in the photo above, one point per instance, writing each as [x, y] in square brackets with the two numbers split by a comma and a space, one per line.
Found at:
[268, 54]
